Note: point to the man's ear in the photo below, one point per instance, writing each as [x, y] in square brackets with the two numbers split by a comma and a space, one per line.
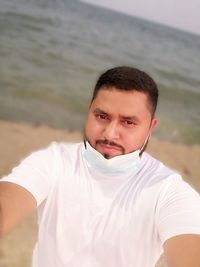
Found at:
[153, 124]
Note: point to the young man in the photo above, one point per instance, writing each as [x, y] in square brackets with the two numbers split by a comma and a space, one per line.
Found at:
[104, 201]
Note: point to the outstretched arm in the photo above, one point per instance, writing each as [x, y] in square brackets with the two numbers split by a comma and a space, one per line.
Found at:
[15, 204]
[183, 251]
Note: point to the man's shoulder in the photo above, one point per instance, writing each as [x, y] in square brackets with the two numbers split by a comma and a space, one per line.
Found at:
[157, 168]
[65, 148]
[62, 146]
[55, 151]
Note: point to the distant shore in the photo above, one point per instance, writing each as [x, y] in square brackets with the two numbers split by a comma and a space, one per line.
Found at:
[18, 139]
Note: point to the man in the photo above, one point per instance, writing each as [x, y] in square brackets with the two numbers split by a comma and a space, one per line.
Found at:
[105, 202]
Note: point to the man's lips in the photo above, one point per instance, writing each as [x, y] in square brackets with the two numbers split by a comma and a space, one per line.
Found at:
[110, 147]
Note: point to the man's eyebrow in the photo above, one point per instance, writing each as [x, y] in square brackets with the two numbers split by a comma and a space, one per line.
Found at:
[131, 118]
[98, 110]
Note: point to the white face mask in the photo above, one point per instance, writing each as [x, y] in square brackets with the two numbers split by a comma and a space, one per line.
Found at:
[115, 166]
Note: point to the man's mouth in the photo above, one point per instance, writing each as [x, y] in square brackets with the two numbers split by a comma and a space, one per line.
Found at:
[107, 147]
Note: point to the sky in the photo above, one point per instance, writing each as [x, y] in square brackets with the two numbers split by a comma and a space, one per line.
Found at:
[181, 14]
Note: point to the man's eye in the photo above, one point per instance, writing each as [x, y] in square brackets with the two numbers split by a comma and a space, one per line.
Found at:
[102, 116]
[128, 123]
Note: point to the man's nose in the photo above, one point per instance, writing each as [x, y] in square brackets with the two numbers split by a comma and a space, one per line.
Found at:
[111, 131]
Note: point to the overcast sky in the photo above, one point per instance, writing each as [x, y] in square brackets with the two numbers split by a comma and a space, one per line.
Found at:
[182, 14]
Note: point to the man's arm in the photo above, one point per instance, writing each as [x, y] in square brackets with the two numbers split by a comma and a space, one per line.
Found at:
[15, 203]
[183, 251]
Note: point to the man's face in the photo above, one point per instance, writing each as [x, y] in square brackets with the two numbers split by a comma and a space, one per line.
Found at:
[118, 122]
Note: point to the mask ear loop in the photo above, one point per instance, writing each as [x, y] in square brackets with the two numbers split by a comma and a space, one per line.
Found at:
[84, 141]
[142, 149]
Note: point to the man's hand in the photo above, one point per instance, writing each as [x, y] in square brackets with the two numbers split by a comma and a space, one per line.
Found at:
[183, 251]
[15, 203]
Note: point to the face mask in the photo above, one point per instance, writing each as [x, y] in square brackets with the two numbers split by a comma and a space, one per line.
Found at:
[115, 166]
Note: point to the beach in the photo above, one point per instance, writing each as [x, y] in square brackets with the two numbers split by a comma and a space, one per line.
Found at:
[51, 55]
[17, 140]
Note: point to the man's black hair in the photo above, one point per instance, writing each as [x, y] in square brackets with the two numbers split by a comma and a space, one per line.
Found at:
[128, 79]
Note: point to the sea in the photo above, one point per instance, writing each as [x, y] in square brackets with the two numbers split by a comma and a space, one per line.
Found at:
[52, 52]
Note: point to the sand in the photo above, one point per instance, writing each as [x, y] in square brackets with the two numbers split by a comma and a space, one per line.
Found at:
[17, 140]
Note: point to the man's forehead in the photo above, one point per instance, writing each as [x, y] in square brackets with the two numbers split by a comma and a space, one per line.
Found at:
[121, 99]
[113, 92]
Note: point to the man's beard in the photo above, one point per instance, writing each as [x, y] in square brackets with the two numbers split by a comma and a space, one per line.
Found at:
[105, 142]
[111, 143]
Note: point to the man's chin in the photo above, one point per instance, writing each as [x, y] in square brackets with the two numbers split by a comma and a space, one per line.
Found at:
[109, 153]
[106, 156]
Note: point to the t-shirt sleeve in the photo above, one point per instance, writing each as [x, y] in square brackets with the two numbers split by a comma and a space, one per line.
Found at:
[179, 210]
[35, 173]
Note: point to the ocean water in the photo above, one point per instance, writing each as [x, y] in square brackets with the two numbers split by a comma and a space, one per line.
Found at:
[52, 51]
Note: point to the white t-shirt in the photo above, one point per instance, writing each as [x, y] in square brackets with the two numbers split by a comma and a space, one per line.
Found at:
[89, 219]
